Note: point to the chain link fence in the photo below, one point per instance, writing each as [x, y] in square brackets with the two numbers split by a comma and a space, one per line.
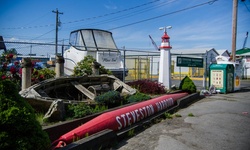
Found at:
[34, 49]
[141, 64]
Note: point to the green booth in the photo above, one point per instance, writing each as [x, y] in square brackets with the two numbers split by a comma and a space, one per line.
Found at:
[222, 77]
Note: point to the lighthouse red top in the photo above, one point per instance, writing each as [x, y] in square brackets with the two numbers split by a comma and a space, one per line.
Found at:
[165, 43]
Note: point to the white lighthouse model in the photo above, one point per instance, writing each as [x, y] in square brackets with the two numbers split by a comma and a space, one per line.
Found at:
[165, 60]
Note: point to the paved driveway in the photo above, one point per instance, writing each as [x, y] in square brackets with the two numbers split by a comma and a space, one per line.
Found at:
[219, 122]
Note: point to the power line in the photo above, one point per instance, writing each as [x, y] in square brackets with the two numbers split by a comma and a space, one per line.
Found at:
[95, 17]
[40, 26]
[43, 34]
[113, 13]
[129, 14]
[246, 5]
[174, 12]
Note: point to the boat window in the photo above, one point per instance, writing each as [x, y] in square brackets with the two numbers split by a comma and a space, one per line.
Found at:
[104, 40]
[92, 40]
[88, 39]
[79, 42]
[72, 39]
[76, 40]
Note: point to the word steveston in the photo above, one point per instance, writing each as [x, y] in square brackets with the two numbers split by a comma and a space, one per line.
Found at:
[138, 114]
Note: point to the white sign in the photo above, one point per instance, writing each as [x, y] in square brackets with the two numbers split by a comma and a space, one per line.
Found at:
[108, 58]
[217, 78]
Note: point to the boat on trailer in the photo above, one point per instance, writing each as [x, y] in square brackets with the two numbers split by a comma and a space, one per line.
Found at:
[97, 43]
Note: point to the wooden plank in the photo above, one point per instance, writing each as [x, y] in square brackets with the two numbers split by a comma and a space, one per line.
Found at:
[83, 90]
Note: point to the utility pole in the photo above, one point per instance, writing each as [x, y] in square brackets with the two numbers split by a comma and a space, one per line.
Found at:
[234, 30]
[57, 24]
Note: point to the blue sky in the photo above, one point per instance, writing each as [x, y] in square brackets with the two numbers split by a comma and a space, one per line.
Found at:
[196, 24]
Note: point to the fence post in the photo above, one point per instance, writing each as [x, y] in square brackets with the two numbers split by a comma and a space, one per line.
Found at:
[124, 61]
[95, 68]
[59, 66]
[26, 73]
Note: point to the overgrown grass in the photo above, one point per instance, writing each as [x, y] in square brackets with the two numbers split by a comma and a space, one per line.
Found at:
[178, 115]
[168, 116]
[131, 132]
[39, 118]
[191, 115]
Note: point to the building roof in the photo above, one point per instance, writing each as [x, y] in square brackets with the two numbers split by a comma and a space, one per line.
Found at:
[223, 52]
[243, 51]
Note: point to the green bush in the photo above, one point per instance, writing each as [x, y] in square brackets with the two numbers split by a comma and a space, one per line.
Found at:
[81, 110]
[111, 98]
[138, 97]
[19, 128]
[187, 85]
[84, 67]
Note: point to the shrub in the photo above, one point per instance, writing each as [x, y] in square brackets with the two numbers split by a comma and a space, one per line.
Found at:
[111, 98]
[81, 110]
[43, 74]
[99, 108]
[148, 86]
[187, 85]
[138, 97]
[19, 128]
[84, 67]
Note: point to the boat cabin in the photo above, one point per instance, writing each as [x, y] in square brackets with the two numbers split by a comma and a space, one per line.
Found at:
[97, 43]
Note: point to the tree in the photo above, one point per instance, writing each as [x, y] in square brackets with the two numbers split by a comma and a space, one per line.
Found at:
[84, 67]
[19, 128]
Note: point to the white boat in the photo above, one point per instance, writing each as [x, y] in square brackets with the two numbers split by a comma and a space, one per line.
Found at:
[97, 43]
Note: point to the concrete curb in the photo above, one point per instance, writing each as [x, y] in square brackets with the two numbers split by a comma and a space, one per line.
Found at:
[100, 140]
[186, 101]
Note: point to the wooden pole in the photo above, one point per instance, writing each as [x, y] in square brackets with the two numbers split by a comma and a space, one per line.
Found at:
[234, 28]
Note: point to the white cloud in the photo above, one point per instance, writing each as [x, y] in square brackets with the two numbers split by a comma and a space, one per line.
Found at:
[110, 5]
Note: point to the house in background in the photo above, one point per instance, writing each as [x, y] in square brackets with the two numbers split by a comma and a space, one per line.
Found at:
[225, 53]
[244, 55]
[145, 65]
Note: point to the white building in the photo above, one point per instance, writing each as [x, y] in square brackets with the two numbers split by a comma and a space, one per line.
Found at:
[244, 55]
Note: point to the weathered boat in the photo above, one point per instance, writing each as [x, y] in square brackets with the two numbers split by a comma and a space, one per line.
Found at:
[72, 90]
